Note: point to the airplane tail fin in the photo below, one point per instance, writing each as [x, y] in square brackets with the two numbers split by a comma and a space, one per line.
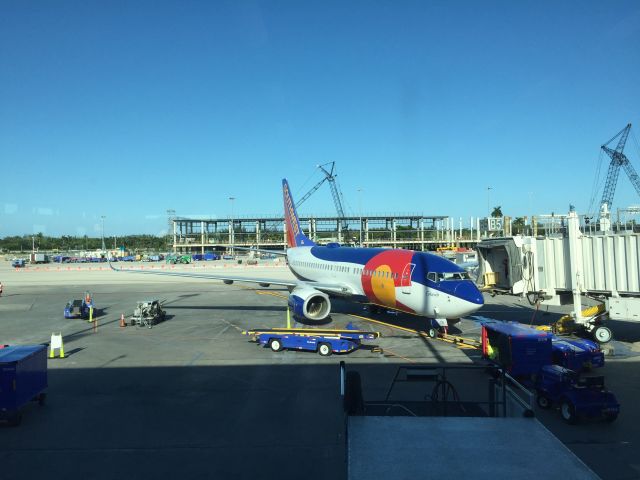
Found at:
[295, 235]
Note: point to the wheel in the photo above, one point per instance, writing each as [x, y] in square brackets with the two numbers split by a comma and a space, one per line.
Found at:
[568, 412]
[275, 344]
[432, 332]
[602, 334]
[543, 401]
[325, 349]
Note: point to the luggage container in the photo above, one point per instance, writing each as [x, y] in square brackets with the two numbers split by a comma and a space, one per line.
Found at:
[519, 349]
[23, 378]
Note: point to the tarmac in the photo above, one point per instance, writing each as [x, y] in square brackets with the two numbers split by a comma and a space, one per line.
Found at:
[194, 397]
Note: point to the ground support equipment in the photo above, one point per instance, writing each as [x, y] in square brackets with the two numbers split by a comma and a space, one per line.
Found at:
[323, 341]
[148, 313]
[23, 378]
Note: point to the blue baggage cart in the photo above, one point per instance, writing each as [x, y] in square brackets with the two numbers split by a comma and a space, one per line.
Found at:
[323, 341]
[23, 378]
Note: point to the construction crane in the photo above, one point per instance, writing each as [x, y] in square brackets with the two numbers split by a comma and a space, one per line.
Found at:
[618, 159]
[330, 177]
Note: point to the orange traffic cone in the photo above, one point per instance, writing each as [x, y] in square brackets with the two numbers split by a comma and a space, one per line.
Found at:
[122, 323]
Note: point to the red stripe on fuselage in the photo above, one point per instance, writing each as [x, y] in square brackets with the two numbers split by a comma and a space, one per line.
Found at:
[379, 286]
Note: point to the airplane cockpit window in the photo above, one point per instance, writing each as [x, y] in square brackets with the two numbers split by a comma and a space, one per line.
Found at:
[432, 276]
[453, 276]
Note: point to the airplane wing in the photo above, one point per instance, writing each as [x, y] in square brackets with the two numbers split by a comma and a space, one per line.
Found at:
[334, 289]
[212, 276]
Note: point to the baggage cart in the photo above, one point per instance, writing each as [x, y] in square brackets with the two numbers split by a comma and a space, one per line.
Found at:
[23, 378]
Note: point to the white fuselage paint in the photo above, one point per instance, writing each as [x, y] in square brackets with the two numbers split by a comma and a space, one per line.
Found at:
[423, 300]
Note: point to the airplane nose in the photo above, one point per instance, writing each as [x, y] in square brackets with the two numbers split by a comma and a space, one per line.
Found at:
[468, 291]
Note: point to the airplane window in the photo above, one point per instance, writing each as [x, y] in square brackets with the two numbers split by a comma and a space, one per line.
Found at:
[431, 276]
[453, 275]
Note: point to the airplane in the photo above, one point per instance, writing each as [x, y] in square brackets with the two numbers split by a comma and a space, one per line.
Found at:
[414, 282]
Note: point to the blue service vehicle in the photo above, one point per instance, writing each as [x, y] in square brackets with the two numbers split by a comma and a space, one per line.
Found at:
[23, 378]
[80, 308]
[323, 341]
[577, 397]
[18, 263]
[207, 257]
[529, 355]
[576, 354]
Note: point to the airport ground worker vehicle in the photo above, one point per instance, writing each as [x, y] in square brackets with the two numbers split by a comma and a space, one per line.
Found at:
[148, 313]
[576, 354]
[80, 308]
[173, 259]
[529, 355]
[578, 397]
[23, 378]
[323, 341]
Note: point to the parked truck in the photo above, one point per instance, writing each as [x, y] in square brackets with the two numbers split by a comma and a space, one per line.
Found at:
[38, 258]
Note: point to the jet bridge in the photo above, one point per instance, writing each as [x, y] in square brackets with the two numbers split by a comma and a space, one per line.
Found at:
[559, 270]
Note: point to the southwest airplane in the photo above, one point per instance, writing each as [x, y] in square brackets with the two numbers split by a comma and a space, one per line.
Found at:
[419, 283]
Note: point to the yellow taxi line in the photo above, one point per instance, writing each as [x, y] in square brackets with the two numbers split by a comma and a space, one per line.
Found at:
[385, 324]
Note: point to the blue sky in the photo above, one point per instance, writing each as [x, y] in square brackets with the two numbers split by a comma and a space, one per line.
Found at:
[127, 109]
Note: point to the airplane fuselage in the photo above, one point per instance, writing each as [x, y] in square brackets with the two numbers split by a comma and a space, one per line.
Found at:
[415, 282]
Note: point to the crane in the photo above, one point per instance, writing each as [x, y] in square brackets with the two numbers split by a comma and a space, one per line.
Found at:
[618, 159]
[330, 177]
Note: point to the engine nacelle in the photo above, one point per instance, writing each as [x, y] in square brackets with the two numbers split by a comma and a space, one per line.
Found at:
[309, 303]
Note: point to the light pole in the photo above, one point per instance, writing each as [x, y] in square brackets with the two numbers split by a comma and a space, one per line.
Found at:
[360, 213]
[103, 248]
[231, 199]
[488, 202]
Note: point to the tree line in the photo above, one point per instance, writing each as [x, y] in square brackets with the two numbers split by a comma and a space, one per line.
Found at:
[42, 242]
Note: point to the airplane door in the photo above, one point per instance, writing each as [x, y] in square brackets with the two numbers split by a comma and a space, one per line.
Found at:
[405, 278]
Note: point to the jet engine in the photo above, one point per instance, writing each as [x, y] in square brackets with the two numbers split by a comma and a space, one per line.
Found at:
[309, 303]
